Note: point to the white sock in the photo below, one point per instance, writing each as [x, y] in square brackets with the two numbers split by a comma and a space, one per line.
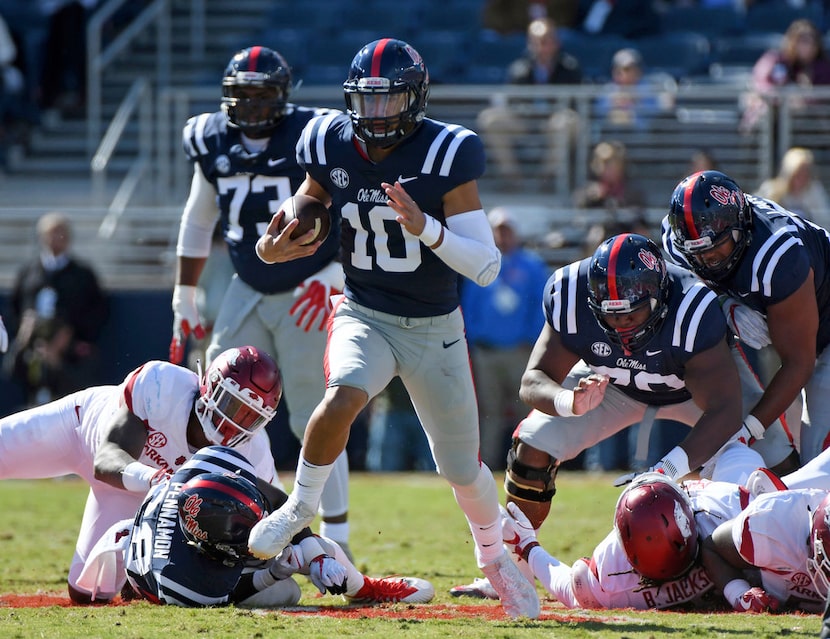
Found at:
[338, 532]
[308, 485]
[480, 503]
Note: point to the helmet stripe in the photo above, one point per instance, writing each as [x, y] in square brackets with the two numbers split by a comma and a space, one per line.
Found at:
[691, 228]
[232, 492]
[253, 57]
[377, 56]
[613, 255]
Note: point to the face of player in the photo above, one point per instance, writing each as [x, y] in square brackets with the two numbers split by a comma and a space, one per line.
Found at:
[626, 322]
[718, 254]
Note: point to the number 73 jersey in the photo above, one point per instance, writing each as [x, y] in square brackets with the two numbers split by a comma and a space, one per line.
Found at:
[387, 268]
[654, 375]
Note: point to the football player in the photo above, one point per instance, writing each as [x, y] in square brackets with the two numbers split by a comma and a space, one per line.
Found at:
[244, 166]
[123, 439]
[777, 264]
[629, 338]
[188, 546]
[406, 188]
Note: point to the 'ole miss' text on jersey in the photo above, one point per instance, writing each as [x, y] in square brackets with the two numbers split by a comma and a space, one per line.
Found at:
[654, 375]
[782, 250]
[250, 187]
[386, 267]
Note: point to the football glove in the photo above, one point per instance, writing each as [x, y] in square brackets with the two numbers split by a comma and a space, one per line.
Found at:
[756, 600]
[328, 574]
[287, 563]
[314, 297]
[517, 530]
[748, 324]
[4, 337]
[185, 321]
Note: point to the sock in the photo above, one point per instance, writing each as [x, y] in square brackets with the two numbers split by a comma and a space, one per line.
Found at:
[310, 481]
[338, 532]
[480, 503]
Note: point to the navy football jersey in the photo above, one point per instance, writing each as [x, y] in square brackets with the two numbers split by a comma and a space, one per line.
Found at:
[783, 249]
[250, 188]
[160, 564]
[386, 267]
[654, 375]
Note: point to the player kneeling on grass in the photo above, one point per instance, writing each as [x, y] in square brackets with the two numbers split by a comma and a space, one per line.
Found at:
[188, 546]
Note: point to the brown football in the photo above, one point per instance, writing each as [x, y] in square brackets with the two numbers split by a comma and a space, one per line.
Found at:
[311, 212]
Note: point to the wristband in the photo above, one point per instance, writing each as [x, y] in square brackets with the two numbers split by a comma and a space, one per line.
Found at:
[136, 477]
[676, 463]
[734, 590]
[563, 402]
[526, 550]
[754, 426]
[311, 548]
[432, 231]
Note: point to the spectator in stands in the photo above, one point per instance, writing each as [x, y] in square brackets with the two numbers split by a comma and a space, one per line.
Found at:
[626, 18]
[11, 88]
[630, 100]
[503, 320]
[505, 17]
[505, 126]
[611, 187]
[58, 312]
[397, 441]
[797, 188]
[800, 61]
[701, 160]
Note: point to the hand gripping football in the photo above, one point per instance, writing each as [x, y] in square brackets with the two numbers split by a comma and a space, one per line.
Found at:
[311, 213]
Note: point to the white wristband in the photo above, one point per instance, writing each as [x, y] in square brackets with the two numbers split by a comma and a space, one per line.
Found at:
[432, 231]
[136, 477]
[676, 463]
[734, 590]
[311, 548]
[563, 402]
[754, 426]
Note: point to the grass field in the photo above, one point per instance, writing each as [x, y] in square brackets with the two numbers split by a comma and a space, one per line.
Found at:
[401, 524]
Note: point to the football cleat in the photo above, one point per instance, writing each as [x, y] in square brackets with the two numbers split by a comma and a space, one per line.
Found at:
[270, 535]
[518, 596]
[393, 590]
[763, 480]
[481, 588]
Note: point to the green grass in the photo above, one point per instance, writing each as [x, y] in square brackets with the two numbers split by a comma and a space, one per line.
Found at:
[401, 524]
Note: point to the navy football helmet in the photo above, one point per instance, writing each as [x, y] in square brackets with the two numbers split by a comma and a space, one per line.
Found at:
[255, 90]
[239, 395]
[626, 273]
[656, 526]
[217, 512]
[386, 92]
[706, 209]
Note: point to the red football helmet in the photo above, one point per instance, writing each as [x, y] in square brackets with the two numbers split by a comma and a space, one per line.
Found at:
[657, 528]
[239, 395]
[819, 564]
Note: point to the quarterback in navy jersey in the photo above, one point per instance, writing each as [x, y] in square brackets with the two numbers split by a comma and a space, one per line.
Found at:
[774, 266]
[244, 166]
[627, 338]
[412, 224]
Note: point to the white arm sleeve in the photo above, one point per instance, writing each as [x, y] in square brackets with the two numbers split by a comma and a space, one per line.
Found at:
[469, 248]
[199, 218]
[553, 575]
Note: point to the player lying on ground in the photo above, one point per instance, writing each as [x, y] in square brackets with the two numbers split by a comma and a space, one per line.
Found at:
[188, 546]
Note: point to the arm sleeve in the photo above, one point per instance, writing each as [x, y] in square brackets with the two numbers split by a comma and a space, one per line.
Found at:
[199, 217]
[469, 248]
[554, 576]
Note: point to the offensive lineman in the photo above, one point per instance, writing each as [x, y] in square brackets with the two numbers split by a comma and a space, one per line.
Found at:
[244, 165]
[405, 186]
[123, 439]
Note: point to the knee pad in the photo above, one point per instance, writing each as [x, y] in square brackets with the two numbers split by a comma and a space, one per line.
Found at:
[518, 474]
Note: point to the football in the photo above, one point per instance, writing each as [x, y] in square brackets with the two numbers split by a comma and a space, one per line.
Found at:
[311, 213]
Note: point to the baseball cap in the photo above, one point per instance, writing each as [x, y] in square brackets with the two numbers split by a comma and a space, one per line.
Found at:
[501, 216]
[627, 58]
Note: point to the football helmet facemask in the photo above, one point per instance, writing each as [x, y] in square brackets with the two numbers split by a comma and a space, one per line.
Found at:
[708, 208]
[657, 528]
[239, 395]
[255, 90]
[627, 273]
[217, 512]
[386, 92]
[818, 565]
